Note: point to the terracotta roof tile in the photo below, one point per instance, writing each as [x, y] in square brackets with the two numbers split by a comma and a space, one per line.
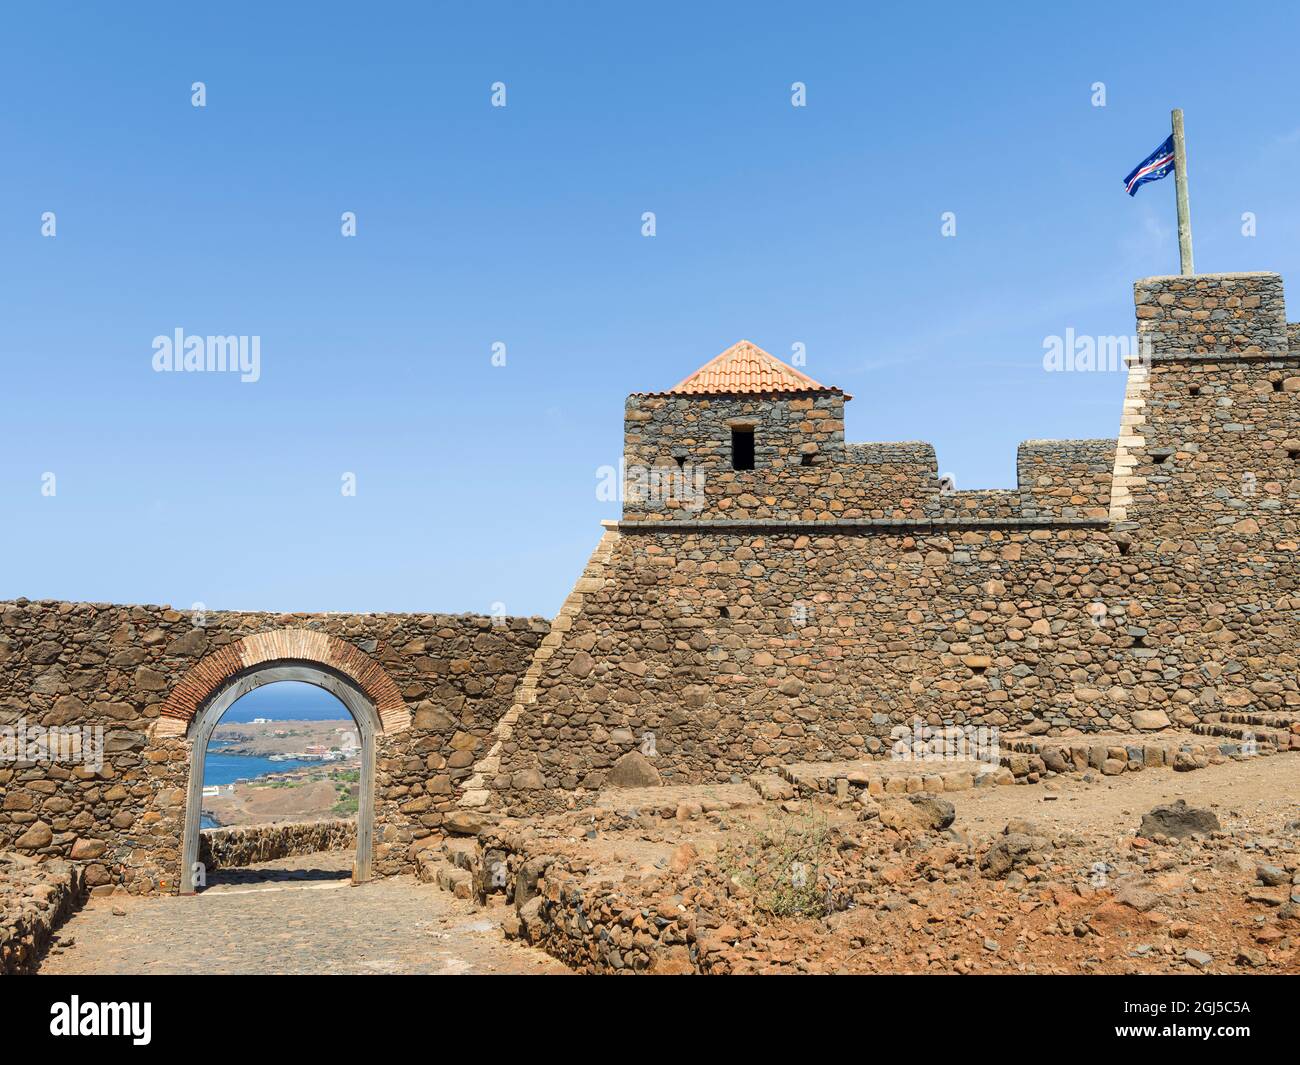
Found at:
[745, 369]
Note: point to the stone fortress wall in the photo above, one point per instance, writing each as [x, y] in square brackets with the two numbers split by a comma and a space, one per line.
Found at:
[805, 610]
[133, 670]
[798, 611]
[804, 471]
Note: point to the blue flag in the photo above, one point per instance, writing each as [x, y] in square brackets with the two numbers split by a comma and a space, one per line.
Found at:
[1158, 164]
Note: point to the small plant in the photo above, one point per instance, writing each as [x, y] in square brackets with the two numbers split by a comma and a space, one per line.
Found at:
[781, 864]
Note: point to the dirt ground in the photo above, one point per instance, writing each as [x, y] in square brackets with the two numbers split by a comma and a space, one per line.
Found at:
[1085, 894]
[1089, 896]
[260, 804]
[1258, 792]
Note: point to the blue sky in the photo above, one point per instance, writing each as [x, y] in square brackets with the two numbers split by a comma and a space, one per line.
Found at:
[522, 225]
[287, 700]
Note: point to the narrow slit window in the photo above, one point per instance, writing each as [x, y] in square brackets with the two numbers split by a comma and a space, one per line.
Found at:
[742, 449]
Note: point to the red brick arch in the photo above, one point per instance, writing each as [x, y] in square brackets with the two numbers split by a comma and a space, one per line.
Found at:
[214, 671]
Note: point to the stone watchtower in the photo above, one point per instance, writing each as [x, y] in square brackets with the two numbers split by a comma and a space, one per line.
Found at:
[744, 437]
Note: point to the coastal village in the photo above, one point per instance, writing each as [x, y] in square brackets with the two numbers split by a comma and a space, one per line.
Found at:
[324, 789]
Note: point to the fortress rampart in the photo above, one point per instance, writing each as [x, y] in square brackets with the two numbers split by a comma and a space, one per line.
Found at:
[800, 610]
[773, 594]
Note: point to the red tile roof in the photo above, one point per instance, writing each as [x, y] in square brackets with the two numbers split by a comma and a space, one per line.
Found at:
[745, 369]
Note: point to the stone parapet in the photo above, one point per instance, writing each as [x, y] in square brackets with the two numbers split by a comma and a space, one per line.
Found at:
[1209, 314]
[35, 899]
[229, 848]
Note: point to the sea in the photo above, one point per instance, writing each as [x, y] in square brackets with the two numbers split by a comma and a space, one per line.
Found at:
[282, 701]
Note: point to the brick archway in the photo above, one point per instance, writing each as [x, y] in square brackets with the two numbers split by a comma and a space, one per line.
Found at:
[215, 671]
[200, 698]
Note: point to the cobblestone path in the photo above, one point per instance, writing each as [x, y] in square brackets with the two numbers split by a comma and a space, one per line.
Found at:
[299, 915]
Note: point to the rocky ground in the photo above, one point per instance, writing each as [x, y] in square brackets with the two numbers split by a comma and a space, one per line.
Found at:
[1073, 874]
[1152, 872]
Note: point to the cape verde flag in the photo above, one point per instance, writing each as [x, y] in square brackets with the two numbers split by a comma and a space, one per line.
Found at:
[1158, 164]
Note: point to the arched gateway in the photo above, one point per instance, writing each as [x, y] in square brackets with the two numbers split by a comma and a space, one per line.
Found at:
[205, 693]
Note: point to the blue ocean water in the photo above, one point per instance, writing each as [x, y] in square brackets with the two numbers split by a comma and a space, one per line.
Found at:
[225, 769]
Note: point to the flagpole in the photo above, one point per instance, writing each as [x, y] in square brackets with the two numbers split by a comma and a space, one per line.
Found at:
[1180, 184]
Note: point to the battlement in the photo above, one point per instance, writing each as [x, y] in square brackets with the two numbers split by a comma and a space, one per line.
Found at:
[748, 439]
[1065, 478]
[1210, 315]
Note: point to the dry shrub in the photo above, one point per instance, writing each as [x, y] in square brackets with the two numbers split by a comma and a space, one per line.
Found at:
[781, 865]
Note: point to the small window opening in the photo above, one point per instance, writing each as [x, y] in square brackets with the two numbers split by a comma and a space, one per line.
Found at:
[724, 612]
[1161, 457]
[806, 460]
[1277, 386]
[742, 449]
[1293, 454]
[681, 462]
[1125, 547]
[1194, 390]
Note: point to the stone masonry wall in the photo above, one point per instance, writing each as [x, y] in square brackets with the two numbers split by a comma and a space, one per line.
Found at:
[229, 848]
[1065, 478]
[1211, 313]
[35, 899]
[95, 664]
[740, 646]
[789, 431]
[804, 471]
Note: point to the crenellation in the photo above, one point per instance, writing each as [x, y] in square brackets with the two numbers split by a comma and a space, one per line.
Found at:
[1065, 478]
[1210, 314]
[743, 620]
[1123, 587]
[678, 466]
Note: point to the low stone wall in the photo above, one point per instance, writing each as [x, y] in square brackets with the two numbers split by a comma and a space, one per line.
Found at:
[230, 848]
[600, 931]
[35, 899]
[592, 927]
